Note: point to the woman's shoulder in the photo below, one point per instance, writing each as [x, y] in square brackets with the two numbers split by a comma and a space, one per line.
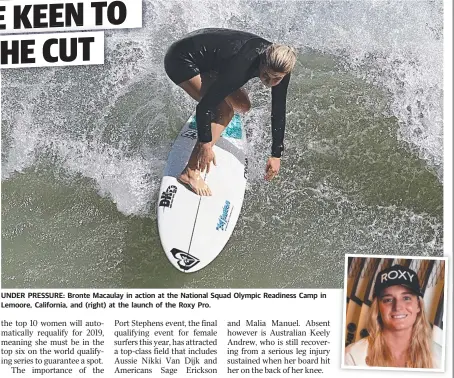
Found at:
[360, 344]
[356, 353]
[437, 351]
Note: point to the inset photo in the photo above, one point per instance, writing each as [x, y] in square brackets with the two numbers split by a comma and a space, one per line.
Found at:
[394, 313]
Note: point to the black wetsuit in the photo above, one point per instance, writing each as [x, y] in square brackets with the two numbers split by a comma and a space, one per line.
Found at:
[235, 56]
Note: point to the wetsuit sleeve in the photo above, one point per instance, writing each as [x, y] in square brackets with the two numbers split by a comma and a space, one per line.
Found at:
[231, 79]
[224, 85]
[278, 109]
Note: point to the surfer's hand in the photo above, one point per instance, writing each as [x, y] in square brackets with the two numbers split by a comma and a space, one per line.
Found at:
[272, 168]
[205, 155]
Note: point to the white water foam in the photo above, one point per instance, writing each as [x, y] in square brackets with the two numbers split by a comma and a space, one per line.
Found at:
[125, 180]
[396, 45]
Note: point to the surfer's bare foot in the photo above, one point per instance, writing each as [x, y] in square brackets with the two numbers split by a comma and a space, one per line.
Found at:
[193, 179]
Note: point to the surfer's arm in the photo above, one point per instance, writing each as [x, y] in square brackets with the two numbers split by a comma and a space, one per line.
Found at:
[232, 77]
[224, 85]
[278, 109]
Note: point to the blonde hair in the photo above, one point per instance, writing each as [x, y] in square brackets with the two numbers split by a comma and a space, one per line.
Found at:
[279, 58]
[419, 353]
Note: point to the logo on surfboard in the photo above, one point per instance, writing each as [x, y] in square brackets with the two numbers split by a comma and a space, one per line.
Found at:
[191, 134]
[167, 196]
[224, 218]
[185, 260]
[246, 168]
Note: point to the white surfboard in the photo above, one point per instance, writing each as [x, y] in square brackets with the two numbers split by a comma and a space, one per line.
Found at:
[195, 229]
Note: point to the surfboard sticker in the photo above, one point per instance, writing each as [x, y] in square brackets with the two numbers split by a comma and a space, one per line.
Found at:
[233, 130]
[184, 260]
[193, 229]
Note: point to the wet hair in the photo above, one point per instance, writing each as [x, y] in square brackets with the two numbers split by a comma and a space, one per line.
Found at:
[279, 58]
[419, 353]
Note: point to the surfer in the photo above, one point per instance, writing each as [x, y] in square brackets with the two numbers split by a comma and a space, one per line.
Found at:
[399, 332]
[212, 65]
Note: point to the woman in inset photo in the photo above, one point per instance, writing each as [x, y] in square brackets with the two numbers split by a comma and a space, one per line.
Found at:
[400, 334]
